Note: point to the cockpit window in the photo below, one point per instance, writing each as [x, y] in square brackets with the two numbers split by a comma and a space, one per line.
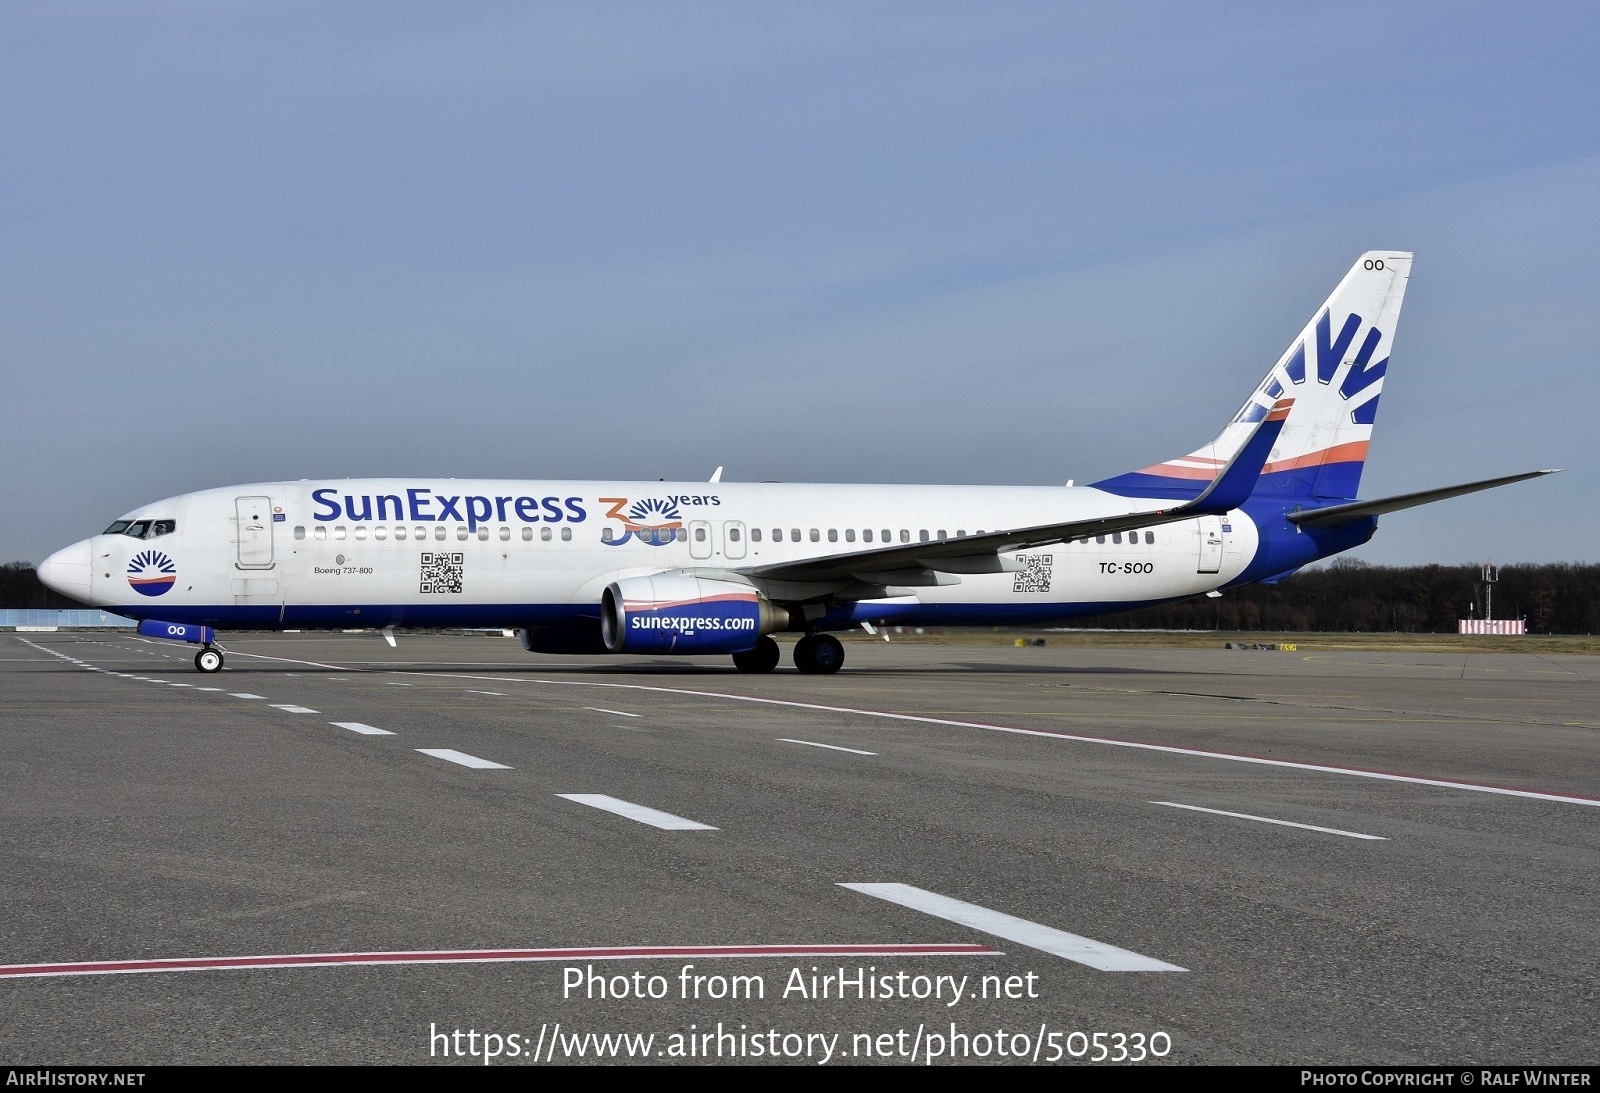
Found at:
[142, 529]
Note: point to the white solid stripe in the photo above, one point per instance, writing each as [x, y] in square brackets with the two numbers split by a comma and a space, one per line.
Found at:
[1082, 950]
[290, 707]
[241, 694]
[208, 688]
[654, 817]
[496, 694]
[619, 713]
[1270, 820]
[830, 747]
[450, 755]
[365, 730]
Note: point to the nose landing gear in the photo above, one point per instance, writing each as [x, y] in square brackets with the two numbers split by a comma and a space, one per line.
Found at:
[208, 660]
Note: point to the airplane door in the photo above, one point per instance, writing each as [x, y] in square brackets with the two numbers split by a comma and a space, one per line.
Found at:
[253, 521]
[699, 539]
[1210, 532]
[733, 543]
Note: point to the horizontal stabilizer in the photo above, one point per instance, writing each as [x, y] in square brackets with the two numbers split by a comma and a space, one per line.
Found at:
[1342, 514]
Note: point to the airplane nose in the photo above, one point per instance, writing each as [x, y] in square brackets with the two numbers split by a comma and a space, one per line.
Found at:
[67, 571]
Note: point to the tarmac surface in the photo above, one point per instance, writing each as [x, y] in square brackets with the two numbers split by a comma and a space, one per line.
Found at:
[1206, 856]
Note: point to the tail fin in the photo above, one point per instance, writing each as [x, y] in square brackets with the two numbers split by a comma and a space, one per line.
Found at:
[1334, 372]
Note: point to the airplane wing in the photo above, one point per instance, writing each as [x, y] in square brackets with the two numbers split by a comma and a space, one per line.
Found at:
[916, 563]
[1341, 514]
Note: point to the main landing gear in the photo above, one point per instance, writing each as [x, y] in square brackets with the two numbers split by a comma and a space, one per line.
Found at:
[208, 660]
[763, 658]
[819, 654]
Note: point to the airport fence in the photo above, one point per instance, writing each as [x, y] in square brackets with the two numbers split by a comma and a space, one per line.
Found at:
[45, 619]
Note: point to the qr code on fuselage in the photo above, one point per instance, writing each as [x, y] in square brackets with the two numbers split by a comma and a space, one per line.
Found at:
[1035, 575]
[442, 572]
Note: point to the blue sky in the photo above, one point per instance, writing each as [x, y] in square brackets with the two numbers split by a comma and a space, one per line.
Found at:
[1012, 243]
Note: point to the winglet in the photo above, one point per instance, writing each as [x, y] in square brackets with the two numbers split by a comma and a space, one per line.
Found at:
[1238, 479]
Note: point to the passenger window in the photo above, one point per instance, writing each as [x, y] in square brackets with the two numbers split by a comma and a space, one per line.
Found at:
[566, 535]
[320, 532]
[1116, 536]
[421, 532]
[338, 532]
[380, 532]
[545, 534]
[438, 532]
[483, 535]
[605, 535]
[866, 535]
[888, 536]
[794, 535]
[527, 535]
[961, 533]
[299, 531]
[361, 531]
[922, 536]
[833, 535]
[400, 532]
[505, 534]
[733, 535]
[943, 535]
[1100, 539]
[699, 535]
[905, 536]
[849, 535]
[755, 535]
[1149, 537]
[815, 537]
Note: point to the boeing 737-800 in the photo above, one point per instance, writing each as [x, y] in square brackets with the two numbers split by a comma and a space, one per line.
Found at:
[694, 568]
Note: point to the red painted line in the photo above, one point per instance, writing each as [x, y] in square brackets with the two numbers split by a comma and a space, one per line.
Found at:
[478, 956]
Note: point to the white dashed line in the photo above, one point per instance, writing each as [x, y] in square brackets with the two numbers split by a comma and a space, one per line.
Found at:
[449, 755]
[289, 707]
[1269, 820]
[619, 713]
[208, 688]
[365, 730]
[830, 747]
[242, 694]
[496, 694]
[1081, 950]
[654, 817]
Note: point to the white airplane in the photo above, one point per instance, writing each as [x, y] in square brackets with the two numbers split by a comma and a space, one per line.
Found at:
[718, 567]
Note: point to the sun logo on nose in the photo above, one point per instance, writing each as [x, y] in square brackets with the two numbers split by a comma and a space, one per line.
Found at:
[151, 573]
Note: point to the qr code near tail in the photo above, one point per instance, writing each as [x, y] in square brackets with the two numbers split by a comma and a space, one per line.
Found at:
[443, 572]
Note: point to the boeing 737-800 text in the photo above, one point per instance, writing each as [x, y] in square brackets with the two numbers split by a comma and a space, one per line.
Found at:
[694, 568]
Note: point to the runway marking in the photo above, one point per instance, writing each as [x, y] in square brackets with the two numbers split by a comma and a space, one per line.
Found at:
[1232, 757]
[830, 747]
[479, 956]
[619, 713]
[365, 730]
[208, 688]
[1269, 820]
[496, 694]
[1081, 950]
[450, 755]
[244, 694]
[1139, 745]
[666, 821]
[180, 684]
[289, 707]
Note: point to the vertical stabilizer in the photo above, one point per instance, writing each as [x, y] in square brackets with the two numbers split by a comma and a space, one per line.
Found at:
[1334, 371]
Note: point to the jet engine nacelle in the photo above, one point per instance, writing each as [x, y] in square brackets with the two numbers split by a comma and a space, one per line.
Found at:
[673, 613]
